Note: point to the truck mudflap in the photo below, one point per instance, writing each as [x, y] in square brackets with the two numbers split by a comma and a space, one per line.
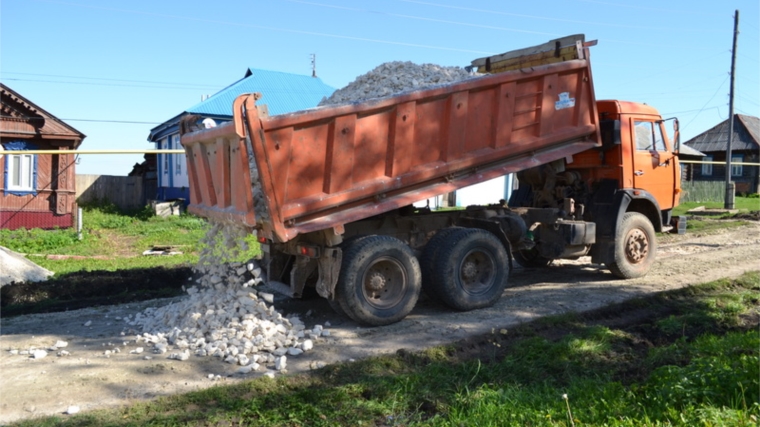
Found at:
[219, 173]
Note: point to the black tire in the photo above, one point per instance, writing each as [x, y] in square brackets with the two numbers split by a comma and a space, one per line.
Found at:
[335, 302]
[471, 270]
[379, 281]
[635, 247]
[530, 258]
[335, 305]
[427, 261]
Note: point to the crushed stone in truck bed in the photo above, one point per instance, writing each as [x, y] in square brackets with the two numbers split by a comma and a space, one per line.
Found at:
[395, 77]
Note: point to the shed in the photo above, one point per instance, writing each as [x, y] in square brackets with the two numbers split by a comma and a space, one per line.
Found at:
[282, 93]
[37, 190]
[745, 148]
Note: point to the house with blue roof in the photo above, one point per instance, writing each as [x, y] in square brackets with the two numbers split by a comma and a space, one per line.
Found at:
[282, 93]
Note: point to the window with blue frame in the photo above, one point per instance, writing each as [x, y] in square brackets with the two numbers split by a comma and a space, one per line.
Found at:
[20, 169]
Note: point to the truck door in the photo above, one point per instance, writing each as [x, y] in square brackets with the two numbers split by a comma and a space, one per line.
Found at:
[654, 166]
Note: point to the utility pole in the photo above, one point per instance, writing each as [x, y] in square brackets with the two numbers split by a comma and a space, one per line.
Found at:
[314, 65]
[730, 186]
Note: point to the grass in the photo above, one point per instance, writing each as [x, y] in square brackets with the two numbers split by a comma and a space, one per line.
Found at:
[119, 237]
[743, 204]
[680, 358]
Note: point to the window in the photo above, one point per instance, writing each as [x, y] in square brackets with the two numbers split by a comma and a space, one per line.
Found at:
[20, 170]
[648, 136]
[177, 157]
[736, 170]
[707, 167]
[165, 145]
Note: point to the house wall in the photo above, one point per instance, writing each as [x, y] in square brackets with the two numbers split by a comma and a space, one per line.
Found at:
[747, 182]
[173, 181]
[53, 202]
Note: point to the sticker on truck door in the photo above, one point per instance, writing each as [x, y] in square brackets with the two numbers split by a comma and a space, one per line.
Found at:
[564, 101]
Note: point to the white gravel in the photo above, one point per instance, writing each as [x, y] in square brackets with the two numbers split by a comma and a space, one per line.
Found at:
[392, 78]
[223, 315]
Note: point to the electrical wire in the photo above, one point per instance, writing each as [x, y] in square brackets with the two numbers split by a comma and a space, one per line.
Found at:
[708, 101]
[545, 18]
[196, 85]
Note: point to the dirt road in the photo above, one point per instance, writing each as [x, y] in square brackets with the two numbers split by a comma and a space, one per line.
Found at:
[90, 378]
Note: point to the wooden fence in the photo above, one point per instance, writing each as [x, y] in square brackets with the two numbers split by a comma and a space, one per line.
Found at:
[126, 192]
[703, 191]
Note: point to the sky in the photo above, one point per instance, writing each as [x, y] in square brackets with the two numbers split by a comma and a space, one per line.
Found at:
[113, 70]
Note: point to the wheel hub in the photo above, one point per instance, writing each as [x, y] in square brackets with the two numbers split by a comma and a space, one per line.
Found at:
[477, 272]
[636, 246]
[376, 282]
[469, 271]
[384, 283]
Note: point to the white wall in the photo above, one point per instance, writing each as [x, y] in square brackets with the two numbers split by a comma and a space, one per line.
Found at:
[484, 193]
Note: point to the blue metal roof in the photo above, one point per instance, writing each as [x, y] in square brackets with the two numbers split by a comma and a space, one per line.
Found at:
[282, 93]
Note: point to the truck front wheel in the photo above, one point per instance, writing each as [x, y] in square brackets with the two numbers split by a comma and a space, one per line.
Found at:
[635, 247]
[379, 282]
[471, 270]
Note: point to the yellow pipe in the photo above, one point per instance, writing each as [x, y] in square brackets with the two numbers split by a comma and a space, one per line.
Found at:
[718, 163]
[92, 151]
[183, 152]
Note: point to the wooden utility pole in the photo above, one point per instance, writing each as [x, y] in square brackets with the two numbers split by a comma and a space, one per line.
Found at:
[730, 186]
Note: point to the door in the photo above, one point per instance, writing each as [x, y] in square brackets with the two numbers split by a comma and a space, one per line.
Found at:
[654, 165]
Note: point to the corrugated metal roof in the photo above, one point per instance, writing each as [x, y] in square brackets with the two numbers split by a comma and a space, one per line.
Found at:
[688, 151]
[746, 136]
[282, 93]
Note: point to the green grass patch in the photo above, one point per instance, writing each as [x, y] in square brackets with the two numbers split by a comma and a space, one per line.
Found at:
[120, 237]
[681, 358]
[745, 204]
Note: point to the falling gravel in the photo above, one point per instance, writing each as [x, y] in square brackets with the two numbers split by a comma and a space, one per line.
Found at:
[223, 315]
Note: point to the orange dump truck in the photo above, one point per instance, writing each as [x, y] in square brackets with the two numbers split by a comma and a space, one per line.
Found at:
[329, 191]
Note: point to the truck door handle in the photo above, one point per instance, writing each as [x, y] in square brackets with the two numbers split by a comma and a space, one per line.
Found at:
[639, 173]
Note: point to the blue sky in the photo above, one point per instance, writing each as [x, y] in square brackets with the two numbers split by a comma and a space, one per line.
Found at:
[98, 63]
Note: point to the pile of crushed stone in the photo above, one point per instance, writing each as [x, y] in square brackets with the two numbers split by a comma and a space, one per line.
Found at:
[223, 315]
[15, 267]
[392, 78]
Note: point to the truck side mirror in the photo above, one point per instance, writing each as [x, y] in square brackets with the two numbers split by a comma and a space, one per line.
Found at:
[676, 136]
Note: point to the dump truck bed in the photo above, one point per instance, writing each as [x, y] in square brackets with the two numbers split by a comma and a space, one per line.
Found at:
[321, 168]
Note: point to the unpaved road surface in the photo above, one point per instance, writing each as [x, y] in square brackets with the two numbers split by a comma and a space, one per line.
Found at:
[90, 379]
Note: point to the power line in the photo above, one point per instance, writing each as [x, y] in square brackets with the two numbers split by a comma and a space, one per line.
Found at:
[545, 18]
[679, 11]
[112, 121]
[199, 86]
[263, 27]
[708, 101]
[98, 84]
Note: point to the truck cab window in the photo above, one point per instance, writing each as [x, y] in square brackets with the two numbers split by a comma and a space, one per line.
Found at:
[648, 136]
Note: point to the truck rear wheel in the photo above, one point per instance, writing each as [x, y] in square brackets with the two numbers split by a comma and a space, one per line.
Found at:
[428, 260]
[471, 270]
[380, 280]
[635, 247]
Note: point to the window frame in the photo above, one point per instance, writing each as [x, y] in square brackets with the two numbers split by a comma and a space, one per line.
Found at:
[707, 168]
[165, 162]
[737, 170]
[177, 157]
[28, 165]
